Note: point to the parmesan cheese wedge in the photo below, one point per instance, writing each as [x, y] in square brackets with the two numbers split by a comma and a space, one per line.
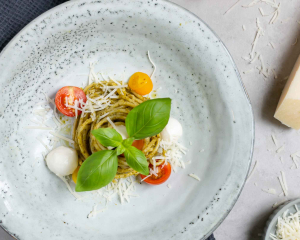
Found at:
[288, 108]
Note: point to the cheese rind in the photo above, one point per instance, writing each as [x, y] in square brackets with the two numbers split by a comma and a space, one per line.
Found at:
[288, 108]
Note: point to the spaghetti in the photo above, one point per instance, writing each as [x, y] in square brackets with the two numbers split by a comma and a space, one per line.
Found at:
[108, 105]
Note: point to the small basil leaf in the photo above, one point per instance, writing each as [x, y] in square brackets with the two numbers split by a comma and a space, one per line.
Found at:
[149, 118]
[136, 159]
[120, 149]
[108, 137]
[97, 171]
[128, 142]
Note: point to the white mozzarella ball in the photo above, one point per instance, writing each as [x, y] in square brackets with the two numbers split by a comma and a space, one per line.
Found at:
[62, 161]
[173, 130]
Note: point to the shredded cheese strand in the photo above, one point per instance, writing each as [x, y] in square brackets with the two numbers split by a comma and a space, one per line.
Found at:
[194, 176]
[62, 137]
[69, 187]
[231, 7]
[152, 64]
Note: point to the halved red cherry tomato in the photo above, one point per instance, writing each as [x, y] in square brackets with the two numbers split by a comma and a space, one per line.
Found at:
[72, 94]
[139, 144]
[162, 175]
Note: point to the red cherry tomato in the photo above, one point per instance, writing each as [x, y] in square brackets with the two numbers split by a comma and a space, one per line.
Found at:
[72, 94]
[162, 175]
[139, 144]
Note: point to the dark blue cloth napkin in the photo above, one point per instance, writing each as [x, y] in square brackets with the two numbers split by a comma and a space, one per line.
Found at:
[15, 14]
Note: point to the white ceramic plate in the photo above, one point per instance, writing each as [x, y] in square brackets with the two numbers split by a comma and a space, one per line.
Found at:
[193, 68]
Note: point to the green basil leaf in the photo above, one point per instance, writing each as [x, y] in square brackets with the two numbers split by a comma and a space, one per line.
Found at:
[136, 159]
[108, 137]
[97, 171]
[125, 144]
[149, 118]
[128, 142]
[120, 149]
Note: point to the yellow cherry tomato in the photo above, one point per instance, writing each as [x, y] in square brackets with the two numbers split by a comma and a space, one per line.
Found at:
[140, 83]
[74, 174]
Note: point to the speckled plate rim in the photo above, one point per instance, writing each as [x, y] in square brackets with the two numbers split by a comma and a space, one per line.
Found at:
[276, 213]
[250, 105]
[236, 72]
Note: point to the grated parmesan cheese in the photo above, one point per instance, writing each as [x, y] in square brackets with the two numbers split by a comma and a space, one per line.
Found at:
[76, 195]
[194, 176]
[62, 137]
[276, 13]
[284, 180]
[154, 66]
[38, 127]
[111, 123]
[263, 70]
[116, 87]
[295, 161]
[279, 150]
[40, 140]
[259, 33]
[272, 4]
[94, 212]
[103, 77]
[270, 191]
[251, 4]
[283, 185]
[272, 45]
[173, 154]
[115, 81]
[231, 7]
[123, 188]
[92, 75]
[274, 140]
[261, 12]
[288, 226]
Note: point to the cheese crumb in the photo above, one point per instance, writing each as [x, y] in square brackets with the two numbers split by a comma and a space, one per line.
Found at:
[231, 7]
[279, 150]
[274, 140]
[270, 191]
[282, 182]
[194, 176]
[94, 212]
[272, 45]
